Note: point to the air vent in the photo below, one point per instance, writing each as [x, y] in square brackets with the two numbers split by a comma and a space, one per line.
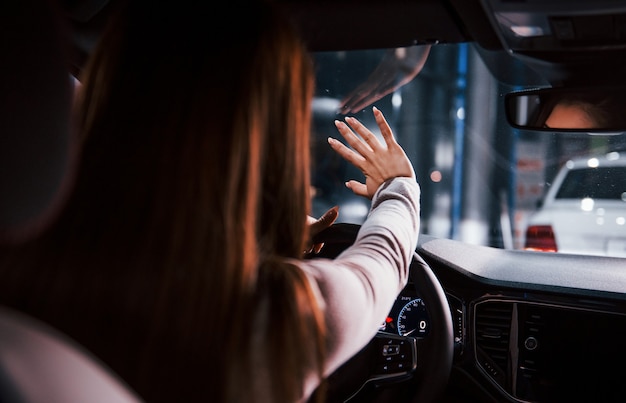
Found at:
[493, 331]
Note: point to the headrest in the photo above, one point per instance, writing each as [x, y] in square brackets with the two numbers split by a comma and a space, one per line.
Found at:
[35, 101]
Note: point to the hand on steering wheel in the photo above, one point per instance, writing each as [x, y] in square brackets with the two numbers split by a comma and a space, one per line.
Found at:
[318, 225]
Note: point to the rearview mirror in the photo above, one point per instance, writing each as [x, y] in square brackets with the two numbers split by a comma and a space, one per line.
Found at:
[598, 109]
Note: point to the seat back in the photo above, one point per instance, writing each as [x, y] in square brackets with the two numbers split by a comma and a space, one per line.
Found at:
[35, 100]
[41, 365]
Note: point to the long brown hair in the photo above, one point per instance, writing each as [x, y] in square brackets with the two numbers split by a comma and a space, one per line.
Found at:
[173, 259]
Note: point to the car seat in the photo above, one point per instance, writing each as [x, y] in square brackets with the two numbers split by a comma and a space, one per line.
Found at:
[38, 363]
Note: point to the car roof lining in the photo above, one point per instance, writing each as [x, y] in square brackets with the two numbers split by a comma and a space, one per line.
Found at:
[331, 25]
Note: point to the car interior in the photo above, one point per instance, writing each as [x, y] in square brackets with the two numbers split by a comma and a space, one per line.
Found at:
[486, 315]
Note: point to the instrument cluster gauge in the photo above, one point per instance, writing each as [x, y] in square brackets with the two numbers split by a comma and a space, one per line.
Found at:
[413, 319]
[408, 317]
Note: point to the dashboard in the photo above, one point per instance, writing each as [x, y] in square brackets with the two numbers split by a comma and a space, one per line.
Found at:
[532, 327]
[526, 327]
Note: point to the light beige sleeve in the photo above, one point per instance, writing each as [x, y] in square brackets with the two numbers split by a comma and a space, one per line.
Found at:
[358, 288]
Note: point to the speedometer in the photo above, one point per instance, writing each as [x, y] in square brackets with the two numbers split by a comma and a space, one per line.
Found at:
[413, 319]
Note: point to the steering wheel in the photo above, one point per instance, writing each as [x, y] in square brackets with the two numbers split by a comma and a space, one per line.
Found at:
[362, 378]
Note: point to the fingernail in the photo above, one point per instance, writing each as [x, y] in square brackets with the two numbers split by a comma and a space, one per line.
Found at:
[331, 140]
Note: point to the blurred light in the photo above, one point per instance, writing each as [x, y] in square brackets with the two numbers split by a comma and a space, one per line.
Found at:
[600, 220]
[444, 154]
[460, 113]
[353, 211]
[593, 162]
[612, 156]
[600, 211]
[396, 99]
[439, 226]
[475, 232]
[436, 176]
[325, 105]
[569, 164]
[620, 220]
[624, 196]
[586, 204]
[526, 30]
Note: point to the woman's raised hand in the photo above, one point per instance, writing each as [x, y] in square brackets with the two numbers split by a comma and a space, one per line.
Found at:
[378, 162]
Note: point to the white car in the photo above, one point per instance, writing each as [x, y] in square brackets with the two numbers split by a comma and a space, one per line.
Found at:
[584, 211]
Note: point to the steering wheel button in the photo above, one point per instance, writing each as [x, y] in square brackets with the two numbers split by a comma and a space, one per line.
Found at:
[383, 369]
[391, 349]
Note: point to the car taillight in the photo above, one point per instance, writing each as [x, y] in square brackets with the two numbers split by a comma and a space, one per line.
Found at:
[540, 238]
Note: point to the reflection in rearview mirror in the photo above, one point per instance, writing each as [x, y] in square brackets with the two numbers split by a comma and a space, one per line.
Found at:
[561, 109]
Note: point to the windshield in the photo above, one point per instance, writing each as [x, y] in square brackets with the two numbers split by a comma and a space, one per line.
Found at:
[483, 181]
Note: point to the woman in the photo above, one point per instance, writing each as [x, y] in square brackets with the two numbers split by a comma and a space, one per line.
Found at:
[178, 258]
